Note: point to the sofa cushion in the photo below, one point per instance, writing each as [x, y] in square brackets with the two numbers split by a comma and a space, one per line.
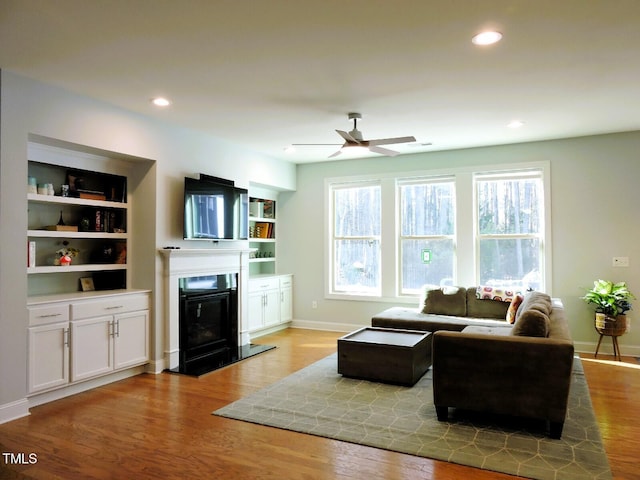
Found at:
[513, 308]
[532, 323]
[478, 308]
[481, 330]
[536, 301]
[445, 301]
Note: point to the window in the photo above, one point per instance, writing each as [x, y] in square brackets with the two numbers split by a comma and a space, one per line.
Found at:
[388, 236]
[355, 249]
[426, 240]
[510, 229]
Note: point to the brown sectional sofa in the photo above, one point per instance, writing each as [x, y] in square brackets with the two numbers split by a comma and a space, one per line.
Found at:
[483, 363]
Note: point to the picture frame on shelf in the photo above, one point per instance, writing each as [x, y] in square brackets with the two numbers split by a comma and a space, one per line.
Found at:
[86, 283]
[268, 209]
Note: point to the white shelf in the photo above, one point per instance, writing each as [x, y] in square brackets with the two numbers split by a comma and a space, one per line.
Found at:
[87, 267]
[262, 219]
[262, 260]
[35, 197]
[63, 234]
[262, 240]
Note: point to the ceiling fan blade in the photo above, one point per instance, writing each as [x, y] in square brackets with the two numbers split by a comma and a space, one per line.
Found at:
[383, 151]
[347, 136]
[389, 141]
[314, 144]
[335, 154]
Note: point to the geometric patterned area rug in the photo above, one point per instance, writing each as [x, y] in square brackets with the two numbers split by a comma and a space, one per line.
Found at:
[319, 401]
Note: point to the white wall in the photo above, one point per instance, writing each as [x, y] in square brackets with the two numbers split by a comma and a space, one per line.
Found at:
[32, 108]
[594, 194]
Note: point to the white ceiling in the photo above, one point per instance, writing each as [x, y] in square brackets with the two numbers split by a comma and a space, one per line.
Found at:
[268, 73]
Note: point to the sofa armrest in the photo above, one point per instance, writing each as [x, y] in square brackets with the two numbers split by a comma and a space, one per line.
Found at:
[522, 376]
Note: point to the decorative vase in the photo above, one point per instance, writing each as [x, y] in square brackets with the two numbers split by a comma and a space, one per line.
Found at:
[65, 260]
[612, 326]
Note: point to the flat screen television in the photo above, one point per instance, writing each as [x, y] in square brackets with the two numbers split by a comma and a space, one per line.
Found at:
[215, 210]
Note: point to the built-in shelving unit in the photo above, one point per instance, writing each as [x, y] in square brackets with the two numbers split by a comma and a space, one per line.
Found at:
[87, 325]
[91, 216]
[262, 235]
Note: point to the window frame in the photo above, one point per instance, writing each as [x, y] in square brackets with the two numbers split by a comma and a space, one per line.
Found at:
[466, 246]
[422, 180]
[330, 251]
[514, 174]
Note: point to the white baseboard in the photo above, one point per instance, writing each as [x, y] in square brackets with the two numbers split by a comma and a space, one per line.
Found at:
[326, 326]
[268, 330]
[41, 398]
[606, 348]
[14, 410]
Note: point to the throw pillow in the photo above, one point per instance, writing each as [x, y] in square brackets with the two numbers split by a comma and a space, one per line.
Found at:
[513, 308]
[501, 294]
[446, 301]
[532, 323]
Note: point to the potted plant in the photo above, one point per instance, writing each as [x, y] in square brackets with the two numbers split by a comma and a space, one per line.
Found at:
[612, 301]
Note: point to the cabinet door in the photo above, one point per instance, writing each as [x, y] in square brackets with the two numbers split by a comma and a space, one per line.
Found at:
[256, 314]
[286, 304]
[48, 356]
[91, 347]
[131, 339]
[271, 307]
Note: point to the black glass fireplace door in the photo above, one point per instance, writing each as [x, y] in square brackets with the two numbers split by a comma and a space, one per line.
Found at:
[208, 330]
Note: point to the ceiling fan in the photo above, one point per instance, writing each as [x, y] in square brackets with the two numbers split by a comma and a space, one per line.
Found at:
[354, 139]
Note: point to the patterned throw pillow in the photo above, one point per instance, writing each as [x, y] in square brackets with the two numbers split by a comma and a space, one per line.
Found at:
[501, 294]
[513, 308]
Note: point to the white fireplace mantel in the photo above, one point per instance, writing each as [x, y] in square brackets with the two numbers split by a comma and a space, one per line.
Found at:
[186, 262]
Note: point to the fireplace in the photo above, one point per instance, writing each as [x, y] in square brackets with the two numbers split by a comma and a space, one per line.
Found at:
[208, 322]
[195, 269]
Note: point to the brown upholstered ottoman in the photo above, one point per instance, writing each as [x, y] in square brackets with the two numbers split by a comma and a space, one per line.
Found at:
[385, 355]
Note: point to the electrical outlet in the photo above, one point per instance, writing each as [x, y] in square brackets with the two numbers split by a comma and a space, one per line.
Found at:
[620, 261]
[314, 304]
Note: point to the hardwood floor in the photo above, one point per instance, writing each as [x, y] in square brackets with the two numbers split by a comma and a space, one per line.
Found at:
[161, 427]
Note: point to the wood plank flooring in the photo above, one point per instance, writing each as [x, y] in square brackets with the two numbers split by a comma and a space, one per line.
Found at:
[161, 427]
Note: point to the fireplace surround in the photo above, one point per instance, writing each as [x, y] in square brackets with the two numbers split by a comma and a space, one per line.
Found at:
[188, 263]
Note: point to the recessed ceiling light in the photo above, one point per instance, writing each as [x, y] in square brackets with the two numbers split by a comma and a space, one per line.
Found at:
[486, 38]
[160, 102]
[515, 124]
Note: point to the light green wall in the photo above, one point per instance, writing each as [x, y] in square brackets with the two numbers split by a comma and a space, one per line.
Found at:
[595, 192]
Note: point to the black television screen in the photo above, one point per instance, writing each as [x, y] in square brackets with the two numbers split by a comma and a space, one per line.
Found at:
[215, 211]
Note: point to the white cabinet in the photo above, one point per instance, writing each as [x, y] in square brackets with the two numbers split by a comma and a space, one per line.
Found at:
[115, 335]
[286, 298]
[269, 301]
[48, 356]
[92, 348]
[78, 338]
[264, 302]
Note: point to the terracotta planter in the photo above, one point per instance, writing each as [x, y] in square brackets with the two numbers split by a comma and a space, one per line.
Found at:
[612, 326]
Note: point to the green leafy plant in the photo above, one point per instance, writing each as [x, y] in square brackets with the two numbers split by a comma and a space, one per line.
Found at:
[610, 298]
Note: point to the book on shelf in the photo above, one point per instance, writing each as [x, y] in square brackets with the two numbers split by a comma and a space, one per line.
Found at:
[264, 230]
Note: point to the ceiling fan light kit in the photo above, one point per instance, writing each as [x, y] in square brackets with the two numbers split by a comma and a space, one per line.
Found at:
[355, 139]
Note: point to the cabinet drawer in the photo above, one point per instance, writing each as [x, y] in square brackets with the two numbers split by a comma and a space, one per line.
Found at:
[45, 314]
[109, 306]
[260, 284]
[285, 282]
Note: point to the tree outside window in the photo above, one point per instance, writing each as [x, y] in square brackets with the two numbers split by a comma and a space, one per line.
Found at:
[427, 227]
[510, 230]
[356, 239]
